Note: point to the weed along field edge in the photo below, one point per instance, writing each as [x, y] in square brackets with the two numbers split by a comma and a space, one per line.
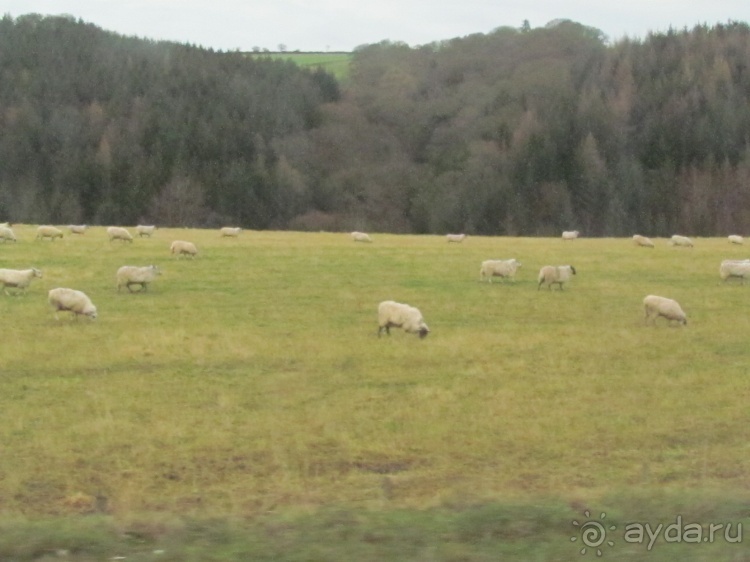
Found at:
[244, 402]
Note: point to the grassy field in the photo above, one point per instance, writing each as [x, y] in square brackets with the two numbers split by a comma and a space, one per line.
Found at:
[248, 387]
[335, 63]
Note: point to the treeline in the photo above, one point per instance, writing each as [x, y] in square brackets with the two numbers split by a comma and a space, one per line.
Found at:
[105, 129]
[519, 131]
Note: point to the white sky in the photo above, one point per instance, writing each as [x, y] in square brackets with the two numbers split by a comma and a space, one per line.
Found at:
[342, 25]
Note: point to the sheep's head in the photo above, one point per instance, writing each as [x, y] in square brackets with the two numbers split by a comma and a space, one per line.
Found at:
[572, 270]
[37, 273]
[423, 331]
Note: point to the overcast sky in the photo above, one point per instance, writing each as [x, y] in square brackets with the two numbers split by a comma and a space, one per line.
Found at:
[342, 25]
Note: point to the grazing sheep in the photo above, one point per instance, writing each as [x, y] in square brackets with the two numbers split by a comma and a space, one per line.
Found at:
[734, 268]
[77, 228]
[131, 275]
[142, 230]
[77, 302]
[570, 234]
[180, 247]
[231, 232]
[678, 240]
[50, 232]
[661, 306]
[361, 237]
[455, 237]
[396, 315]
[555, 274]
[639, 240]
[735, 239]
[119, 233]
[18, 278]
[498, 268]
[6, 233]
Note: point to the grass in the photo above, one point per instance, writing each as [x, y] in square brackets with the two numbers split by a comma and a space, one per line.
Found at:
[335, 63]
[248, 387]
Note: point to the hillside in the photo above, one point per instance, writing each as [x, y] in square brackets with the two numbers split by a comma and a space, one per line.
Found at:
[514, 132]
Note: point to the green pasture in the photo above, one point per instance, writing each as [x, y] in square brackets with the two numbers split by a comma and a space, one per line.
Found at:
[334, 63]
[249, 386]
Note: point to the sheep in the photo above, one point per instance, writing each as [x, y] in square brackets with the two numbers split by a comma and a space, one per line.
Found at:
[119, 233]
[555, 274]
[180, 247]
[661, 306]
[361, 237]
[678, 240]
[18, 278]
[734, 268]
[639, 240]
[6, 233]
[77, 228]
[142, 230]
[131, 275]
[396, 315]
[570, 234]
[77, 302]
[47, 231]
[455, 237]
[735, 239]
[498, 268]
[229, 231]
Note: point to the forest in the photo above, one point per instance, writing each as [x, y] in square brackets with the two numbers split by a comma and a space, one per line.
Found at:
[519, 131]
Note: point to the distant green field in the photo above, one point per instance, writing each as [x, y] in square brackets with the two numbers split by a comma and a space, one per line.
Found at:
[250, 383]
[335, 63]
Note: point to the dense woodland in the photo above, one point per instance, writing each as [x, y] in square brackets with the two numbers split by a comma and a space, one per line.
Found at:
[520, 131]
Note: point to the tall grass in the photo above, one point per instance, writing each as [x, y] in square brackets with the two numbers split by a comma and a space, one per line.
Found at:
[251, 379]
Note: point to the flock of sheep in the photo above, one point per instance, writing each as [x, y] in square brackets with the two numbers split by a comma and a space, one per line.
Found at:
[392, 314]
[63, 299]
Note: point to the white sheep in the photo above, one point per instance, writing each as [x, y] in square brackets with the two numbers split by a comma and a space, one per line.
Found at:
[570, 234]
[231, 232]
[77, 228]
[46, 231]
[735, 239]
[181, 247]
[656, 306]
[119, 233]
[396, 315]
[678, 240]
[639, 240]
[129, 275]
[6, 233]
[144, 230]
[361, 237]
[734, 268]
[77, 302]
[498, 268]
[18, 278]
[455, 237]
[555, 274]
